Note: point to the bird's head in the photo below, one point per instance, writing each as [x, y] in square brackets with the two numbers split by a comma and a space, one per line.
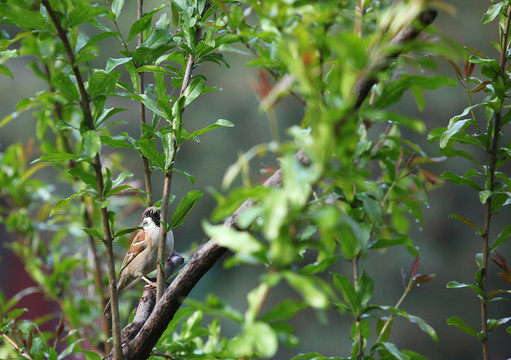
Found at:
[151, 214]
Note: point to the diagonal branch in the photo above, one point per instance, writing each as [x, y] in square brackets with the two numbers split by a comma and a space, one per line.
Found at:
[207, 255]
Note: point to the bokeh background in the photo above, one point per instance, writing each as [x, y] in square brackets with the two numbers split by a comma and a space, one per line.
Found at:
[447, 247]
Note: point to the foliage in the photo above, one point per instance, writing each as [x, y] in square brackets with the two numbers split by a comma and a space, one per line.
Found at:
[347, 188]
[469, 134]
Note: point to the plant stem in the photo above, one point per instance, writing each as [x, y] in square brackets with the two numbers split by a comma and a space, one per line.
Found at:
[387, 323]
[488, 205]
[141, 114]
[360, 352]
[98, 169]
[160, 275]
[359, 15]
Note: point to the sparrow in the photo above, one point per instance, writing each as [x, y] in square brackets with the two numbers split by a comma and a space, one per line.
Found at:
[142, 256]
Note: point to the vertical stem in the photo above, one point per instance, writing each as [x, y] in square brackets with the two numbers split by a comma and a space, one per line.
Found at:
[359, 15]
[160, 275]
[360, 340]
[487, 207]
[98, 275]
[141, 114]
[98, 169]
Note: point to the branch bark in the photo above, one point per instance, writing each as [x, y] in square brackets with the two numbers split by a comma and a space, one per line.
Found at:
[208, 254]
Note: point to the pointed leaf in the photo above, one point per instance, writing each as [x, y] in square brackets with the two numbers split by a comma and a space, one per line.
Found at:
[460, 324]
[143, 23]
[187, 203]
[453, 129]
[193, 90]
[218, 123]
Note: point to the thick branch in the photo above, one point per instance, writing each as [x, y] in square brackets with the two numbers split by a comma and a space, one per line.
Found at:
[201, 262]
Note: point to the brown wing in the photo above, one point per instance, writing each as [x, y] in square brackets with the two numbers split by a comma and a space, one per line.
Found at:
[137, 245]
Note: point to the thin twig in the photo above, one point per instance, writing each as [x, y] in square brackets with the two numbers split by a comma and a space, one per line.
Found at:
[141, 114]
[15, 345]
[98, 169]
[488, 205]
[167, 184]
[354, 265]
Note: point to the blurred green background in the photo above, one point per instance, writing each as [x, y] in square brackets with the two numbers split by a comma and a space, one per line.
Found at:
[447, 247]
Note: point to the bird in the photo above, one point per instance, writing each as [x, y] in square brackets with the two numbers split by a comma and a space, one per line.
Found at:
[142, 256]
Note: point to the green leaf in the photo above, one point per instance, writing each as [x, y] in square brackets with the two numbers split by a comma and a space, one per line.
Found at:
[116, 7]
[216, 307]
[467, 221]
[58, 157]
[27, 19]
[112, 63]
[143, 23]
[502, 238]
[91, 355]
[126, 231]
[4, 70]
[348, 292]
[187, 203]
[256, 337]
[14, 314]
[428, 329]
[283, 311]
[63, 203]
[169, 149]
[91, 142]
[242, 243]
[492, 12]
[106, 114]
[93, 232]
[495, 323]
[457, 285]
[115, 143]
[190, 177]
[401, 240]
[84, 13]
[103, 83]
[484, 195]
[63, 82]
[391, 348]
[309, 287]
[155, 69]
[148, 149]
[217, 124]
[193, 90]
[117, 189]
[460, 324]
[87, 178]
[452, 129]
[460, 180]
[365, 289]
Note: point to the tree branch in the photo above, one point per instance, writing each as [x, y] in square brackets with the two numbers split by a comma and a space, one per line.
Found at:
[208, 254]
